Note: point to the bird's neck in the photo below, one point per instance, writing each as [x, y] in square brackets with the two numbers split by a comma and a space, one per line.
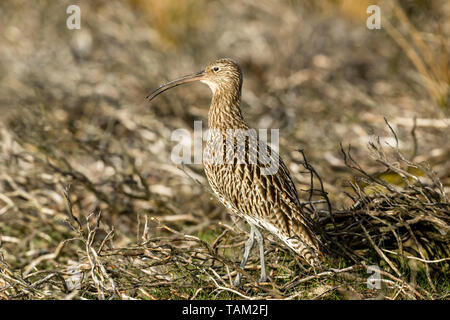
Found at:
[225, 111]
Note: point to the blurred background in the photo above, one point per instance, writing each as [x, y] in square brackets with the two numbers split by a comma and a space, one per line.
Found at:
[73, 109]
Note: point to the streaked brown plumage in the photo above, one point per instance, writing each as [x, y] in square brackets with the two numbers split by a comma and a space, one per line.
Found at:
[268, 201]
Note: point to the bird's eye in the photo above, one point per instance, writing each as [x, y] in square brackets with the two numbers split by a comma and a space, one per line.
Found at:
[215, 69]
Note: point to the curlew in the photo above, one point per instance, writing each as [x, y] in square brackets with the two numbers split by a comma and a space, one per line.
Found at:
[238, 172]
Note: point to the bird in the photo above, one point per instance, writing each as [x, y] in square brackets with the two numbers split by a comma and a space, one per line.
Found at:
[245, 184]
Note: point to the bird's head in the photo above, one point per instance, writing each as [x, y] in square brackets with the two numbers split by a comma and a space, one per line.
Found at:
[220, 75]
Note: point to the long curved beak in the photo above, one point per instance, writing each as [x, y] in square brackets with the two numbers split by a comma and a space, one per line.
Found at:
[171, 84]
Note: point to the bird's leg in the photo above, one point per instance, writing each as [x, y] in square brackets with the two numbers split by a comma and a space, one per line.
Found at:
[248, 246]
[260, 240]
